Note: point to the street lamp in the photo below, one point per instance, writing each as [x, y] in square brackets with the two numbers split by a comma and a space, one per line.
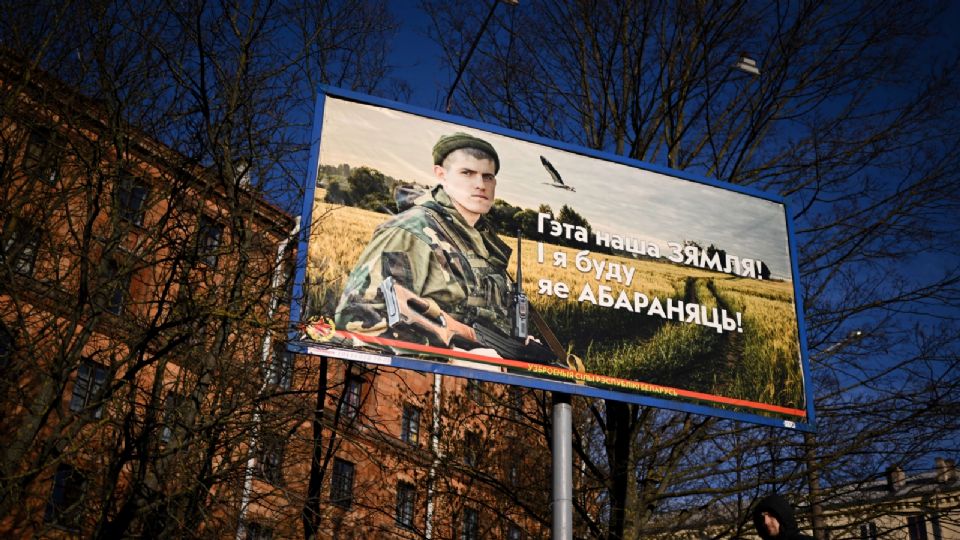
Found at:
[853, 335]
[747, 65]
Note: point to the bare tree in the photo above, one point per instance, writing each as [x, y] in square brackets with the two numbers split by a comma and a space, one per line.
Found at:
[852, 120]
[146, 149]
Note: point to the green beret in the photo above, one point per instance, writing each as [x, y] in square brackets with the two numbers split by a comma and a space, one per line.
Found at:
[456, 141]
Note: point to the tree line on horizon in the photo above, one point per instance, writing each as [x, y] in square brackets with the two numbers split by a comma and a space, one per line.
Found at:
[369, 189]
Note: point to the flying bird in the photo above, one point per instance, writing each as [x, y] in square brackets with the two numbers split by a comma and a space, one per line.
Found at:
[557, 181]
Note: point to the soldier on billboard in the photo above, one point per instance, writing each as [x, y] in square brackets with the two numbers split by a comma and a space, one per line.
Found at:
[436, 273]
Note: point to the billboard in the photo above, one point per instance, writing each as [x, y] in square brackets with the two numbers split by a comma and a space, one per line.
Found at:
[444, 245]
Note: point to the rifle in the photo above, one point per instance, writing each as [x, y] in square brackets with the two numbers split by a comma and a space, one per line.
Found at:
[408, 311]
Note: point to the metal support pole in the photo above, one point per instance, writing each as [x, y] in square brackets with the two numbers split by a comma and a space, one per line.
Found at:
[266, 351]
[813, 483]
[562, 468]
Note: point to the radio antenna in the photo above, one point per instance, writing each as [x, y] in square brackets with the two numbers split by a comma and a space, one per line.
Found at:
[519, 255]
[520, 302]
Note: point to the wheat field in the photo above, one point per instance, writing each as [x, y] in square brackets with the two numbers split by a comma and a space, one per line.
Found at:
[761, 363]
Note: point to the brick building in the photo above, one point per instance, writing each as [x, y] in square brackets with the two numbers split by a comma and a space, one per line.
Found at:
[921, 506]
[135, 284]
[146, 388]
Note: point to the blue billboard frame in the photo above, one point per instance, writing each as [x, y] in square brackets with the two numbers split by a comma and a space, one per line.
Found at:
[688, 405]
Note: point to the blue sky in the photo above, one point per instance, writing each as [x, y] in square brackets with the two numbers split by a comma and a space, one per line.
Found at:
[416, 57]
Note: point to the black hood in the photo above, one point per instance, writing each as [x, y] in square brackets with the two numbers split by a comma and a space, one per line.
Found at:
[781, 509]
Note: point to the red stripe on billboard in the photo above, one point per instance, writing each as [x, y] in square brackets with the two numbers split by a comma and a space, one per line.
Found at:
[566, 373]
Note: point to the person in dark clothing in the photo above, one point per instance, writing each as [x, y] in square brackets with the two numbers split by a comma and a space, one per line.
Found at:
[773, 518]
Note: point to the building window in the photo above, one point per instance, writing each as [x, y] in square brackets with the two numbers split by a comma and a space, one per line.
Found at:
[514, 532]
[90, 380]
[935, 525]
[42, 157]
[285, 291]
[341, 484]
[209, 238]
[64, 505]
[130, 198]
[513, 474]
[471, 525]
[868, 531]
[410, 428]
[113, 287]
[21, 242]
[350, 403]
[257, 531]
[917, 527]
[280, 370]
[6, 349]
[515, 398]
[406, 501]
[474, 391]
[270, 458]
[471, 449]
[172, 416]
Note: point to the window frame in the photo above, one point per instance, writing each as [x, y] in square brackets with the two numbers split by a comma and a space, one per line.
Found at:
[474, 391]
[8, 345]
[917, 527]
[83, 392]
[513, 473]
[410, 424]
[254, 530]
[471, 448]
[41, 157]
[351, 399]
[113, 288]
[173, 404]
[515, 400]
[470, 524]
[208, 245]
[280, 370]
[406, 505]
[25, 239]
[130, 196]
[341, 482]
[270, 454]
[64, 505]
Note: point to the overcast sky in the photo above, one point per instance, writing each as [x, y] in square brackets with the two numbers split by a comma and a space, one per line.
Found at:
[613, 197]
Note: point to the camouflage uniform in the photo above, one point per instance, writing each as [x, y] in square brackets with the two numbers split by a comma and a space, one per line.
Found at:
[431, 250]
